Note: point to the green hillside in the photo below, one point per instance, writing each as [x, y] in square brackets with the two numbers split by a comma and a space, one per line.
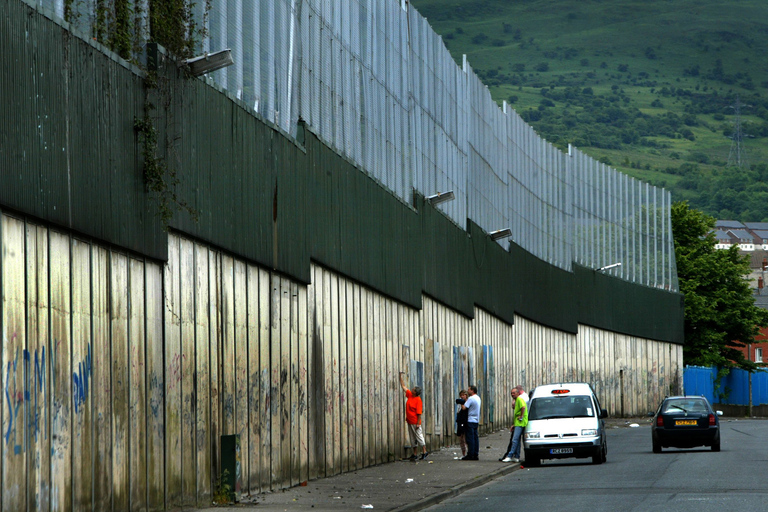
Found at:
[648, 87]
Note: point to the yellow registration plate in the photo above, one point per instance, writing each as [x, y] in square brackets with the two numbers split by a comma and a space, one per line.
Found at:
[685, 422]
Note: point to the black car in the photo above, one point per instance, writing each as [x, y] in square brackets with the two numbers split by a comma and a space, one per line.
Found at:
[685, 422]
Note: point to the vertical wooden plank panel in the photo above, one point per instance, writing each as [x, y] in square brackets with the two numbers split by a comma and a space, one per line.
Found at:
[391, 381]
[137, 386]
[173, 375]
[343, 383]
[366, 377]
[293, 382]
[284, 291]
[215, 316]
[254, 379]
[61, 420]
[379, 392]
[333, 306]
[118, 265]
[265, 384]
[437, 390]
[155, 378]
[304, 438]
[328, 400]
[312, 378]
[203, 416]
[12, 404]
[38, 373]
[228, 346]
[187, 368]
[405, 364]
[351, 374]
[274, 366]
[81, 337]
[241, 369]
[360, 386]
[428, 394]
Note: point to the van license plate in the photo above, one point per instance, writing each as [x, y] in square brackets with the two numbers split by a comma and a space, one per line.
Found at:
[556, 451]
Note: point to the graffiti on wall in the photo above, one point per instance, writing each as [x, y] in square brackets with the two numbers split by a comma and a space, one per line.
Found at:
[25, 383]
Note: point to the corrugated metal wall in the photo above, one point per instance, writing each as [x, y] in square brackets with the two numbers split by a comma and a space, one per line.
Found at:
[120, 375]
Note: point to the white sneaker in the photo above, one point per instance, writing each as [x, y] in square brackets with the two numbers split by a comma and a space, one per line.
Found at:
[507, 459]
[515, 459]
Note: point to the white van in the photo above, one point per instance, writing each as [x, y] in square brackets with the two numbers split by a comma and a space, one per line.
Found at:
[565, 420]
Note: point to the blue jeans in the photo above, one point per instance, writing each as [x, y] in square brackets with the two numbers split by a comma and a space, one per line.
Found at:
[516, 435]
[473, 441]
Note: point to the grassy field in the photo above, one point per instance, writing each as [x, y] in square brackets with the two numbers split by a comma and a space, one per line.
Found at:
[647, 87]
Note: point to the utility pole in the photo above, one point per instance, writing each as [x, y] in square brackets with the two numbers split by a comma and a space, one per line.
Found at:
[738, 154]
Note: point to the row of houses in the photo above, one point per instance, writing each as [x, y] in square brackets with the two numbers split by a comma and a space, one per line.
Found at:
[751, 238]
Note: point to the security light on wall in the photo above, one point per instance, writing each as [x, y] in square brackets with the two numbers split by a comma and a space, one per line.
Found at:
[500, 233]
[612, 265]
[441, 197]
[209, 62]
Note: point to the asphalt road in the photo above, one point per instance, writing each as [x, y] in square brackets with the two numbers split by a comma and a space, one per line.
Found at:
[636, 479]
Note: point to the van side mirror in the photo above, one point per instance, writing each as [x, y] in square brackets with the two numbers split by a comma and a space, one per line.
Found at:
[719, 413]
[651, 414]
[603, 413]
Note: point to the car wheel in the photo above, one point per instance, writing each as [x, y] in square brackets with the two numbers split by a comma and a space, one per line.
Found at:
[604, 453]
[656, 446]
[599, 456]
[716, 445]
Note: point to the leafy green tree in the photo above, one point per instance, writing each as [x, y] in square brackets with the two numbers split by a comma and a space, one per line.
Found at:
[720, 312]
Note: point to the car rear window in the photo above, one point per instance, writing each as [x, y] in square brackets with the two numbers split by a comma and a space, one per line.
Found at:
[685, 405]
[561, 407]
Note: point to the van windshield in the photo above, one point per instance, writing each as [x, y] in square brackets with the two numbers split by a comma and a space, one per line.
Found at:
[547, 408]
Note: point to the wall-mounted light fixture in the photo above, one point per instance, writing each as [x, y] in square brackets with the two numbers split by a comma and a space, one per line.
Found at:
[500, 233]
[612, 265]
[441, 197]
[209, 62]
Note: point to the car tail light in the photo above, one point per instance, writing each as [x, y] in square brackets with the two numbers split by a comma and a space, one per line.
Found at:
[711, 420]
[659, 421]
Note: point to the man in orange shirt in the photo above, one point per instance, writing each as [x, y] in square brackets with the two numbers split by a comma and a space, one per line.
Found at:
[413, 411]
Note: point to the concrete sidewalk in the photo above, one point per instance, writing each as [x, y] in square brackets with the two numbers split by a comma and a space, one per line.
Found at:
[398, 486]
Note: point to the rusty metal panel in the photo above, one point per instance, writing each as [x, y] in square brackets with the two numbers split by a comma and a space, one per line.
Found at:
[173, 375]
[155, 387]
[241, 367]
[254, 381]
[38, 372]
[302, 389]
[102, 381]
[265, 385]
[202, 397]
[137, 395]
[14, 354]
[187, 386]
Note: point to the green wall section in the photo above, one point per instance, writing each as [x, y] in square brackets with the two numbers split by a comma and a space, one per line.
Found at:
[72, 158]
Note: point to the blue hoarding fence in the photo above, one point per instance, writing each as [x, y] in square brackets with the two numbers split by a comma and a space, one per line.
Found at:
[732, 389]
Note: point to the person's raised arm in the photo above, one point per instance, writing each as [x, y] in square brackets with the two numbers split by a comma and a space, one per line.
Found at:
[402, 384]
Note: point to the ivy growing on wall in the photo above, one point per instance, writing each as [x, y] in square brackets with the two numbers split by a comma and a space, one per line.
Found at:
[125, 27]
